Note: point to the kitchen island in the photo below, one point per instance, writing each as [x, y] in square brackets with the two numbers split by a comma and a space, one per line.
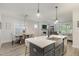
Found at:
[43, 46]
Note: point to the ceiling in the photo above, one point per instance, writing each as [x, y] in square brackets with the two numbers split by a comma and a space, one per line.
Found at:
[47, 10]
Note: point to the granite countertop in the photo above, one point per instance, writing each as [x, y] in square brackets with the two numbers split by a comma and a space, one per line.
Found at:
[41, 41]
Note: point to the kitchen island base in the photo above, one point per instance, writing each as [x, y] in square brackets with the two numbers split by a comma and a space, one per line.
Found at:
[50, 50]
[46, 51]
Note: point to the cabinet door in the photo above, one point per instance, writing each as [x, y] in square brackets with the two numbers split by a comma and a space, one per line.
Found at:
[49, 47]
[59, 50]
[35, 50]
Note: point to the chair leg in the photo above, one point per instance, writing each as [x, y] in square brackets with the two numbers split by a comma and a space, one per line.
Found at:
[25, 51]
[12, 42]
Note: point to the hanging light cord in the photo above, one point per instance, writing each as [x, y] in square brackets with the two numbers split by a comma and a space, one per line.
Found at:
[56, 13]
[38, 8]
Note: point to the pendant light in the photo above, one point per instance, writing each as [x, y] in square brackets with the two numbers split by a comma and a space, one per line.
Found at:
[38, 12]
[56, 21]
[35, 26]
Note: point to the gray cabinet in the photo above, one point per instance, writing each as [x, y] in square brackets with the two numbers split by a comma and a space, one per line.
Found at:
[59, 50]
[46, 51]
[50, 50]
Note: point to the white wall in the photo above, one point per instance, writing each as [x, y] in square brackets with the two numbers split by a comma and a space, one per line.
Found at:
[8, 28]
[36, 31]
[75, 28]
[30, 27]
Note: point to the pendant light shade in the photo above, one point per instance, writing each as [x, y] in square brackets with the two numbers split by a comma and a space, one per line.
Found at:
[38, 12]
[56, 21]
[35, 26]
